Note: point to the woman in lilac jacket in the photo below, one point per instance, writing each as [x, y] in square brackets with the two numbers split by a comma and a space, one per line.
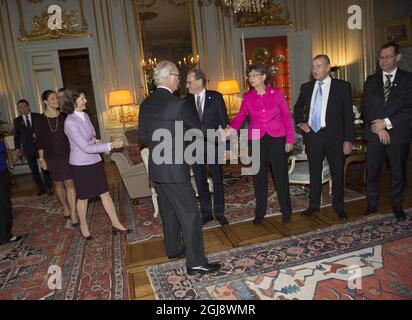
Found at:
[86, 163]
[268, 112]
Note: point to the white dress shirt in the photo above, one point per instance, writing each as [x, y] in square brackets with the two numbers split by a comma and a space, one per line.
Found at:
[80, 114]
[202, 95]
[325, 90]
[165, 88]
[388, 122]
[25, 120]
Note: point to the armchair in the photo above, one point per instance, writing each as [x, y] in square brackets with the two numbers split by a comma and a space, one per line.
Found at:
[134, 176]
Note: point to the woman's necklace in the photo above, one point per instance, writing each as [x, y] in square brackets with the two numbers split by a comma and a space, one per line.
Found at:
[50, 126]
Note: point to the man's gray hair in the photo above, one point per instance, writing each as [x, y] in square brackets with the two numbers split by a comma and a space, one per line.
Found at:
[162, 71]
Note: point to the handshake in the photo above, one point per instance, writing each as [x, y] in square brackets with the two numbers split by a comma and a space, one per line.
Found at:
[226, 133]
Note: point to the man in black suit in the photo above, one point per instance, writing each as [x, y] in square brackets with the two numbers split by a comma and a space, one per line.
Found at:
[324, 114]
[25, 142]
[160, 116]
[211, 110]
[387, 109]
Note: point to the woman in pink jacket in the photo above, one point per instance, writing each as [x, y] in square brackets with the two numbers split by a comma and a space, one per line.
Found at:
[269, 113]
[85, 161]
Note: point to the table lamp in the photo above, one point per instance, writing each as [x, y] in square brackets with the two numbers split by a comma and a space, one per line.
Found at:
[121, 98]
[229, 88]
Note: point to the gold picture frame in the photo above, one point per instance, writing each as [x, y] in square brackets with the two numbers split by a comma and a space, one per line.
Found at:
[399, 31]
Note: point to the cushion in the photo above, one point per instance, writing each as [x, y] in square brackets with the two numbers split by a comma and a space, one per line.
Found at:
[134, 153]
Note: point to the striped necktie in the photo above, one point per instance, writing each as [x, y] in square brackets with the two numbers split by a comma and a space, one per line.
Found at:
[387, 88]
[199, 107]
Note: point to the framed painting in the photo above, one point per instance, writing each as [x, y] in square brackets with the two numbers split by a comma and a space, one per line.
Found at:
[399, 31]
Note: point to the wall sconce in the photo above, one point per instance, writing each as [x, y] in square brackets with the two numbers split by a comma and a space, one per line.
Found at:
[229, 88]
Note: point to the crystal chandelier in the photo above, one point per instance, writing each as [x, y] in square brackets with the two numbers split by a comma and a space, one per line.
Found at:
[245, 5]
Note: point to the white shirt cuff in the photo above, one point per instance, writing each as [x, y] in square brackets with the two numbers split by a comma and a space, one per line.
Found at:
[388, 123]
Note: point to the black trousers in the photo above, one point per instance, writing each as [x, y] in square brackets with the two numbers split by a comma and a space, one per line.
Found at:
[6, 213]
[182, 227]
[216, 171]
[273, 150]
[318, 146]
[398, 157]
[34, 168]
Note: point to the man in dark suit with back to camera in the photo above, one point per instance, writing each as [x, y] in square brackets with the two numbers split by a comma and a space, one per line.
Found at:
[211, 110]
[177, 201]
[387, 109]
[25, 143]
[324, 114]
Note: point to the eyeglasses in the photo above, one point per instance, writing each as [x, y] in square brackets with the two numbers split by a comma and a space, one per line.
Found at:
[190, 82]
[254, 75]
[386, 57]
[177, 75]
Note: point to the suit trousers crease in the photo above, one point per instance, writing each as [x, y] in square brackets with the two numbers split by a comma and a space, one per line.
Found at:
[200, 172]
[273, 150]
[181, 222]
[47, 184]
[398, 156]
[6, 213]
[318, 146]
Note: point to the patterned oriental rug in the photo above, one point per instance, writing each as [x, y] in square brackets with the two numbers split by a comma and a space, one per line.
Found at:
[93, 269]
[370, 259]
[239, 202]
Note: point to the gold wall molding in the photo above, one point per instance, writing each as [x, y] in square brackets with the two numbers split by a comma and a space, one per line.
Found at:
[40, 31]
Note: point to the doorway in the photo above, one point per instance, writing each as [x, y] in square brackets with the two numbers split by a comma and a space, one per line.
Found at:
[75, 70]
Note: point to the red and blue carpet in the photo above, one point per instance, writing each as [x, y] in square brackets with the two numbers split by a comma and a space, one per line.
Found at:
[239, 206]
[365, 260]
[93, 269]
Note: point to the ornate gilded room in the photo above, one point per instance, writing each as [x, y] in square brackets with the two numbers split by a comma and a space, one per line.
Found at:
[86, 87]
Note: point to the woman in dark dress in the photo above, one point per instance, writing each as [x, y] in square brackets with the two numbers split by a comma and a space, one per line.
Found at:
[54, 153]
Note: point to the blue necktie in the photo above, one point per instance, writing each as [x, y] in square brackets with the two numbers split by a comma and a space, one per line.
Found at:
[317, 109]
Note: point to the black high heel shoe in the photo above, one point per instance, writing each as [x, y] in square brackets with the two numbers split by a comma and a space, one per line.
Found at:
[116, 230]
[88, 238]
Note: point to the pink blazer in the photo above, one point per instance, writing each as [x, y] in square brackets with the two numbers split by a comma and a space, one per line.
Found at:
[82, 138]
[269, 113]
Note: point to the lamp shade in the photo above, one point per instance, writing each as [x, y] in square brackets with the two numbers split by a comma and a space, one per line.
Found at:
[228, 87]
[120, 98]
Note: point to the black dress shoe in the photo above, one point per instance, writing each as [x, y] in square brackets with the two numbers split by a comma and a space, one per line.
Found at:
[15, 239]
[223, 221]
[310, 212]
[342, 215]
[257, 220]
[370, 210]
[206, 220]
[88, 238]
[41, 192]
[116, 231]
[178, 257]
[400, 215]
[286, 219]
[50, 193]
[204, 269]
